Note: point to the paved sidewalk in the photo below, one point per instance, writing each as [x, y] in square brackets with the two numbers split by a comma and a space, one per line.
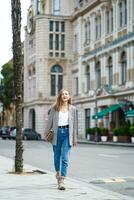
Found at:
[44, 187]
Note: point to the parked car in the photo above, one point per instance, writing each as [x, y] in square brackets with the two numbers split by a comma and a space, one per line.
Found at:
[28, 134]
[13, 134]
[10, 129]
[4, 132]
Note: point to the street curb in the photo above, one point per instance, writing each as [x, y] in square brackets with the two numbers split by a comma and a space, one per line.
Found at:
[105, 143]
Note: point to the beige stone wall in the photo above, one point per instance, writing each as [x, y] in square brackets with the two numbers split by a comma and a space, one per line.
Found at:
[37, 51]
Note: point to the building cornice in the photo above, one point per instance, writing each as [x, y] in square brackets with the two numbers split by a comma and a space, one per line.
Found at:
[85, 9]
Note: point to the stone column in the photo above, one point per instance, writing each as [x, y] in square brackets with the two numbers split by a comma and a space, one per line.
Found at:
[132, 62]
[130, 15]
[128, 62]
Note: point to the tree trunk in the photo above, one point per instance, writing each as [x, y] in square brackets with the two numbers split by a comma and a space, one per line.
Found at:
[18, 69]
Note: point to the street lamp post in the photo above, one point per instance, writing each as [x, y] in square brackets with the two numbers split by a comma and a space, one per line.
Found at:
[96, 119]
[94, 94]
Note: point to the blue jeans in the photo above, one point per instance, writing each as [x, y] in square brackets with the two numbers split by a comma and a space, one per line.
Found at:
[61, 151]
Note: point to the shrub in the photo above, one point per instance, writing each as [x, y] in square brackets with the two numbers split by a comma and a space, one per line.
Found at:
[121, 131]
[131, 131]
[90, 131]
[104, 131]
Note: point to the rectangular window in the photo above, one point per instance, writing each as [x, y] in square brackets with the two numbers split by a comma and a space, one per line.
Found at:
[125, 7]
[112, 20]
[108, 22]
[62, 26]
[56, 54]
[57, 26]
[62, 55]
[57, 42]
[51, 41]
[56, 7]
[99, 26]
[96, 27]
[53, 84]
[51, 26]
[75, 43]
[51, 54]
[120, 13]
[62, 42]
[77, 86]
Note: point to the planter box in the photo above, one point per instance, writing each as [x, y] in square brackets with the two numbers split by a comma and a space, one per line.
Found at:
[132, 139]
[124, 138]
[115, 138]
[104, 138]
[88, 137]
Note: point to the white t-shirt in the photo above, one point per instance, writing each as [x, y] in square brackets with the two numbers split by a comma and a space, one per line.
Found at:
[63, 118]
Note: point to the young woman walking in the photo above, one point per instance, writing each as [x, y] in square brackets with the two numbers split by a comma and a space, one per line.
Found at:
[62, 119]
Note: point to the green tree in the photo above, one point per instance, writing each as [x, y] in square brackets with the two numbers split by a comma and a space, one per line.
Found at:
[7, 85]
[18, 70]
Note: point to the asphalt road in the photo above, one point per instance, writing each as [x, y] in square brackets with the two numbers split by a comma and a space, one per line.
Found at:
[109, 167]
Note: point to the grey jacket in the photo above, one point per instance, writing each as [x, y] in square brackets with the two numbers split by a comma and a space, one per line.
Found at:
[53, 119]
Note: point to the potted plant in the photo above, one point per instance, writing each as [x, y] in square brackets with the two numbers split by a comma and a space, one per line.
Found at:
[115, 134]
[131, 131]
[122, 133]
[90, 133]
[104, 134]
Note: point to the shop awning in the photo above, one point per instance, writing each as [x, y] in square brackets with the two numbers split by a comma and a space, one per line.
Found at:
[106, 111]
[129, 113]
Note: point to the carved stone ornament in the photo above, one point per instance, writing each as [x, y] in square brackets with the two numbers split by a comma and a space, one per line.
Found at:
[30, 23]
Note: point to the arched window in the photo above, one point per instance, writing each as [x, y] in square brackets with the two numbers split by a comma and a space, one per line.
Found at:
[56, 79]
[98, 74]
[123, 68]
[87, 78]
[110, 71]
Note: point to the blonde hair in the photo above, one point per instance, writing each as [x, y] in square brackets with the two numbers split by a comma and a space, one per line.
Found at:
[59, 102]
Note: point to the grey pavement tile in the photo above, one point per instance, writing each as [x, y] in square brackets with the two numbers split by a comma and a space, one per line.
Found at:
[44, 186]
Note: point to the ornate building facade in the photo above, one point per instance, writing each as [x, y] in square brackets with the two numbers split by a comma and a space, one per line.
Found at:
[86, 46]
